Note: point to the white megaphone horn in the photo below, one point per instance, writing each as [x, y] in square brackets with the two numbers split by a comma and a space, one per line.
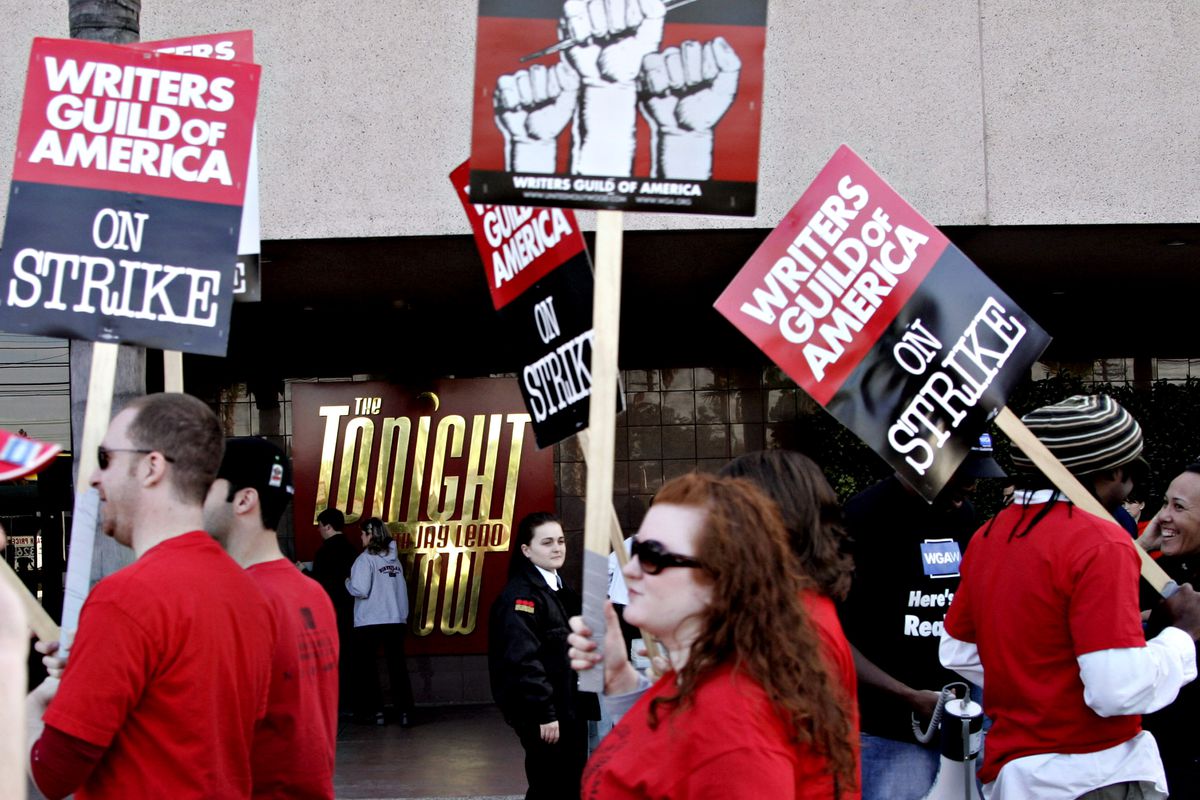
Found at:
[961, 726]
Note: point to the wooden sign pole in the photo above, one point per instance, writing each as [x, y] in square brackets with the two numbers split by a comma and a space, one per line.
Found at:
[1053, 469]
[617, 541]
[14, 648]
[40, 622]
[87, 500]
[172, 371]
[602, 421]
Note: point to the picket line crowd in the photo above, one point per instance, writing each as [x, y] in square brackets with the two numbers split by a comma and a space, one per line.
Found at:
[799, 644]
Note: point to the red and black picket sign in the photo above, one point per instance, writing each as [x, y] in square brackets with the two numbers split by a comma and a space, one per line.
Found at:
[540, 278]
[884, 322]
[126, 198]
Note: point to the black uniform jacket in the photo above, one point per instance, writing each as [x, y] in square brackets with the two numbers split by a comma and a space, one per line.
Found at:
[531, 676]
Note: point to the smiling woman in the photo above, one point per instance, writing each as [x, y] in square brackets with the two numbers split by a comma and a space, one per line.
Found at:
[1176, 530]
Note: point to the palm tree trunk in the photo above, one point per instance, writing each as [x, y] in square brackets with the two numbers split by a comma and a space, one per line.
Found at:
[115, 22]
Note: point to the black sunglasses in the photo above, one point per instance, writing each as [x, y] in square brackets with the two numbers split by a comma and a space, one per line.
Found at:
[654, 558]
[103, 460]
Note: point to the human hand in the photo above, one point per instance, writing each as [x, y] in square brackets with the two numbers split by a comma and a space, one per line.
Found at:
[549, 732]
[37, 700]
[690, 88]
[55, 665]
[619, 675]
[1151, 538]
[533, 106]
[1183, 607]
[924, 701]
[611, 37]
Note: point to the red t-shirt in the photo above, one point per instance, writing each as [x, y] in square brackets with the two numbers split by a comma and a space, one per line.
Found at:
[294, 745]
[1032, 605]
[728, 744]
[169, 673]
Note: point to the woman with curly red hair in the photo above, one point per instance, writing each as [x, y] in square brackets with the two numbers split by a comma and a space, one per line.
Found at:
[748, 708]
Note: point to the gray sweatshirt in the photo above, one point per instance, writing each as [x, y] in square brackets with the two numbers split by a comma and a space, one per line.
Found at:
[380, 594]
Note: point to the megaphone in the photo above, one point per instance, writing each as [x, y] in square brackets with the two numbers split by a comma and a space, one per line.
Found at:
[962, 740]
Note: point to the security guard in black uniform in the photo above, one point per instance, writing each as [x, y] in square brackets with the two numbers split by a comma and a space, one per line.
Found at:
[531, 676]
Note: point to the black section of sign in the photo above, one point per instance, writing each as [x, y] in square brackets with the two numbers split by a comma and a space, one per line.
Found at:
[955, 304]
[549, 327]
[735, 198]
[707, 12]
[247, 279]
[73, 266]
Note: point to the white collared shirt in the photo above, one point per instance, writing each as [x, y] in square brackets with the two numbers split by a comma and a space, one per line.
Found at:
[551, 577]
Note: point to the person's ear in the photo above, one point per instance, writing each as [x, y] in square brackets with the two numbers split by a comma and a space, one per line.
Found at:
[245, 500]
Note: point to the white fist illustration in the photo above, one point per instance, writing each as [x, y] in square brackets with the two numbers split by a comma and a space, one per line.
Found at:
[683, 93]
[611, 37]
[532, 107]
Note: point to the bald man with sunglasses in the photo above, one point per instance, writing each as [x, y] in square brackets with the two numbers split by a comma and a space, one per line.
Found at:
[169, 671]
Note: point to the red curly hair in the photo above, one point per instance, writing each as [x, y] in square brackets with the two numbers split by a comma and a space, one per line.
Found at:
[756, 620]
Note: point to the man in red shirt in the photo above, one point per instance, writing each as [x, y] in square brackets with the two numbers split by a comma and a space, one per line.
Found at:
[294, 747]
[171, 663]
[1047, 612]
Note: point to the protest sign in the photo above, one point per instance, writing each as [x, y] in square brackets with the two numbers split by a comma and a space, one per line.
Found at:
[126, 198]
[884, 322]
[659, 110]
[540, 279]
[233, 46]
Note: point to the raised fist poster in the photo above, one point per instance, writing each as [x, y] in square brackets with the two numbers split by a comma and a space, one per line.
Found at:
[884, 322]
[126, 199]
[638, 105]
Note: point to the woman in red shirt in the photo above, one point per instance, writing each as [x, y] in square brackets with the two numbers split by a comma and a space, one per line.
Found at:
[748, 708]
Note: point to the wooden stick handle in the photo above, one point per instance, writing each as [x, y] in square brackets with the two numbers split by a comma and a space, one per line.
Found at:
[40, 622]
[1069, 485]
[617, 540]
[172, 371]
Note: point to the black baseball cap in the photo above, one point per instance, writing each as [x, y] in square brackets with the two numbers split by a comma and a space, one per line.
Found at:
[255, 463]
[979, 463]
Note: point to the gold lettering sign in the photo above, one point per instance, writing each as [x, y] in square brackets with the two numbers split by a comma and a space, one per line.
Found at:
[440, 487]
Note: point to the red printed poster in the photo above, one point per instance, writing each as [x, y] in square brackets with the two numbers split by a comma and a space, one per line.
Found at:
[656, 109]
[126, 198]
[884, 322]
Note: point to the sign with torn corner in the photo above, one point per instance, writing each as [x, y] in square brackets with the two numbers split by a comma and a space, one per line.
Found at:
[126, 200]
[884, 322]
[233, 46]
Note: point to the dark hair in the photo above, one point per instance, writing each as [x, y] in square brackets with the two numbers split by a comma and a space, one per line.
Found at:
[528, 524]
[333, 518]
[381, 537]
[757, 622]
[185, 429]
[810, 509]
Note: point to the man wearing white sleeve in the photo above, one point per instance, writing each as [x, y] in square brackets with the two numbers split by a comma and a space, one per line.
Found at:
[1047, 610]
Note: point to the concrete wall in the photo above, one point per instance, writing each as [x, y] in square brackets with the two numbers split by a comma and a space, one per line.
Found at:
[979, 111]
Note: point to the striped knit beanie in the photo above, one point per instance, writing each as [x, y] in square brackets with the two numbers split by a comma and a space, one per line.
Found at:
[1087, 433]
